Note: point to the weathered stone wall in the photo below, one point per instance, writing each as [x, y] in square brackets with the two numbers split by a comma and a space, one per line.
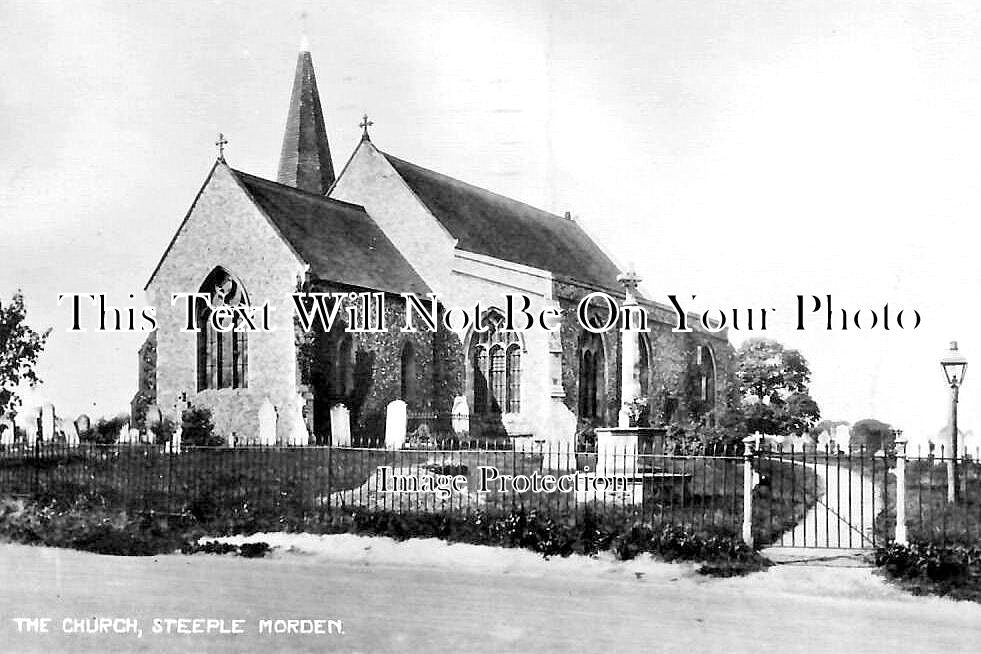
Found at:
[671, 363]
[377, 358]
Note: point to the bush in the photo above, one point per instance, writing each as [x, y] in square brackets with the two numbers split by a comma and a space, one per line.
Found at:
[105, 431]
[197, 428]
[935, 570]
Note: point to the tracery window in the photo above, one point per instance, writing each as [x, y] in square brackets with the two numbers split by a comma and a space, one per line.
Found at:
[223, 356]
[495, 378]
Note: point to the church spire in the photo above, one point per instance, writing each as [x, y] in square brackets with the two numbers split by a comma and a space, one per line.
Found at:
[305, 160]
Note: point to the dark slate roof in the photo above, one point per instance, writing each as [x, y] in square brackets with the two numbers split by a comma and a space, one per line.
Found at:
[339, 241]
[487, 223]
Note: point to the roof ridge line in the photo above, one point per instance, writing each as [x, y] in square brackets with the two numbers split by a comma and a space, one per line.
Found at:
[485, 190]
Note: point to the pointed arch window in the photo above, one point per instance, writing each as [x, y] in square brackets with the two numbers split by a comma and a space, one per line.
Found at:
[495, 375]
[592, 377]
[706, 378]
[408, 372]
[222, 354]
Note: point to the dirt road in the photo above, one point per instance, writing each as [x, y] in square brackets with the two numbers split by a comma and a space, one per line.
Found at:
[464, 599]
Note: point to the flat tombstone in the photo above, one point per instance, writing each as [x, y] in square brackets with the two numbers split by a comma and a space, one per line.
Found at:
[267, 423]
[47, 422]
[396, 423]
[461, 415]
[340, 426]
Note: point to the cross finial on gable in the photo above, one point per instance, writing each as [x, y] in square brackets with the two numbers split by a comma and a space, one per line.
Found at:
[221, 143]
[364, 125]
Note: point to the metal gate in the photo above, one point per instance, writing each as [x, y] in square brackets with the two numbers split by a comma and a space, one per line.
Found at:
[846, 497]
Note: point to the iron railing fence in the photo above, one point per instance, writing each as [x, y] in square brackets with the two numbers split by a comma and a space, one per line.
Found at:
[299, 486]
[801, 498]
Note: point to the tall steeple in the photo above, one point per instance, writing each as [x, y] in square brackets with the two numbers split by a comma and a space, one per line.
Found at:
[305, 160]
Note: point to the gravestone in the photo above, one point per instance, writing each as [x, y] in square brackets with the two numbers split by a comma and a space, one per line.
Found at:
[71, 434]
[461, 415]
[340, 426]
[267, 423]
[123, 436]
[395, 424]
[47, 422]
[83, 424]
[134, 435]
[7, 432]
[153, 420]
[298, 427]
[175, 440]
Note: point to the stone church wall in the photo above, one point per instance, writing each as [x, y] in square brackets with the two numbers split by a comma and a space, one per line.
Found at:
[671, 385]
[224, 228]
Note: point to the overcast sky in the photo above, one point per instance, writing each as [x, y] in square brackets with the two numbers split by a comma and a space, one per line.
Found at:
[745, 152]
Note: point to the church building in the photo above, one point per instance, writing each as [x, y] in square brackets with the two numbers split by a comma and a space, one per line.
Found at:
[387, 225]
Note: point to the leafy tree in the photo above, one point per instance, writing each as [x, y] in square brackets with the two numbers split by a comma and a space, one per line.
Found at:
[873, 434]
[774, 383]
[20, 347]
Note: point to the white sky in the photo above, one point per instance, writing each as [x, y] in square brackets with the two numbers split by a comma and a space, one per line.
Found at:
[744, 152]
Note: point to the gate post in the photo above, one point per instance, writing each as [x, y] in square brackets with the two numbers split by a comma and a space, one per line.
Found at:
[900, 441]
[748, 451]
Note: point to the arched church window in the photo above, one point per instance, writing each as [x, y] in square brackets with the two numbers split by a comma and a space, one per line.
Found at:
[592, 377]
[495, 377]
[643, 365]
[344, 380]
[706, 378]
[222, 353]
[408, 372]
[514, 378]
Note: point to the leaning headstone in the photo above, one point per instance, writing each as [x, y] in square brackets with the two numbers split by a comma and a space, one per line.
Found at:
[71, 434]
[47, 422]
[267, 423]
[340, 425]
[298, 426]
[461, 415]
[395, 424]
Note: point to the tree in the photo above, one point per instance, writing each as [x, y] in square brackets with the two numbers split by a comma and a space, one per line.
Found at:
[20, 347]
[774, 382]
[874, 434]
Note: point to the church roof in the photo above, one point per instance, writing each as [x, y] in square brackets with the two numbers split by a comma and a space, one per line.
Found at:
[338, 240]
[305, 158]
[486, 223]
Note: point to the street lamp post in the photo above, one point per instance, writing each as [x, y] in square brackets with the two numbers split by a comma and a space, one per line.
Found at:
[954, 365]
